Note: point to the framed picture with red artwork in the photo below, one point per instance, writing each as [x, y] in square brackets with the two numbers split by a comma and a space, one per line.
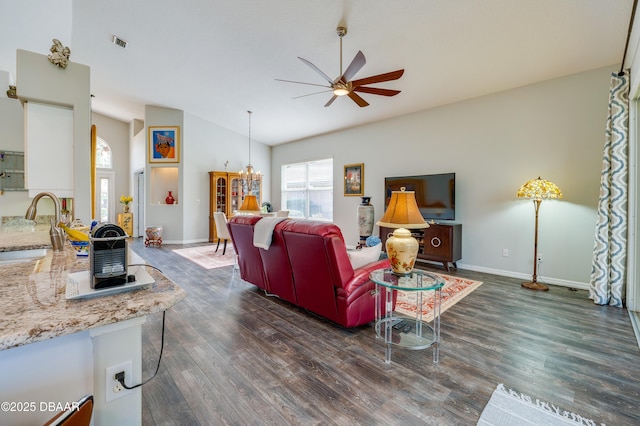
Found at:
[354, 179]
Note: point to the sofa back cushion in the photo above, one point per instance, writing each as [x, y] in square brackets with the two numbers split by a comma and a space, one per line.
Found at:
[277, 267]
[249, 260]
[319, 263]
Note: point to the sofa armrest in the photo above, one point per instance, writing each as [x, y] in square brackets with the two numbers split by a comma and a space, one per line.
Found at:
[357, 284]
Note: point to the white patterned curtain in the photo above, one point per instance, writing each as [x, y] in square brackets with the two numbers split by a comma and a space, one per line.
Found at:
[608, 271]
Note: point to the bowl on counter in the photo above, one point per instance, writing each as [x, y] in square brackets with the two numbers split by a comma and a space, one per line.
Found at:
[81, 247]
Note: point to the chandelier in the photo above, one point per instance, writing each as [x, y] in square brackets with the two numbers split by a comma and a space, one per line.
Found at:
[250, 179]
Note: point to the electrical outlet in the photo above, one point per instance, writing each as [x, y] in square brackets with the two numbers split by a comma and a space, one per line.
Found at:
[114, 389]
[505, 252]
[539, 257]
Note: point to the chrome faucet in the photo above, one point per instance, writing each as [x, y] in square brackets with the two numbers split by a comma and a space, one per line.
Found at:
[56, 233]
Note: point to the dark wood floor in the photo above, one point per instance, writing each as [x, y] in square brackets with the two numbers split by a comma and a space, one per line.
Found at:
[235, 356]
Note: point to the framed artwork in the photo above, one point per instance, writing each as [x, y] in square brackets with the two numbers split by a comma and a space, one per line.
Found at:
[164, 144]
[354, 179]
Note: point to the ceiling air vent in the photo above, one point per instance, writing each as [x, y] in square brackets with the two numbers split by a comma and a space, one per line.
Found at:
[119, 42]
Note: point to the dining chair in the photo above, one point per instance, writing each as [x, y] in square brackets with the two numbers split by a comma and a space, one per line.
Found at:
[222, 231]
[79, 414]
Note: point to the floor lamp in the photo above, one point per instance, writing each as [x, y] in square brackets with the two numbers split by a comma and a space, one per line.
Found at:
[537, 190]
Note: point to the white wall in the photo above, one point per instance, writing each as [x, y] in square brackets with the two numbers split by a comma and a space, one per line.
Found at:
[209, 147]
[494, 144]
[204, 147]
[170, 217]
[116, 134]
[40, 82]
[137, 146]
[15, 203]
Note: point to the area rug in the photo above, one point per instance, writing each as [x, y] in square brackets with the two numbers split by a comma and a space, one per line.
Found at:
[453, 291]
[508, 407]
[207, 257]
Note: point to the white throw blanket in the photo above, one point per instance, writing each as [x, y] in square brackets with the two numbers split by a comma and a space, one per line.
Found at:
[263, 231]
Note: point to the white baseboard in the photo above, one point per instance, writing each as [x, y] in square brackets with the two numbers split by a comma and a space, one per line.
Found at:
[545, 280]
[635, 322]
[198, 240]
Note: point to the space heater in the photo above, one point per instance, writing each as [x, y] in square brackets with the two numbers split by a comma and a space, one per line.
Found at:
[108, 256]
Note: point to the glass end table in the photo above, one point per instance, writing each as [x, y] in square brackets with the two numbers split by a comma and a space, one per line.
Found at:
[398, 329]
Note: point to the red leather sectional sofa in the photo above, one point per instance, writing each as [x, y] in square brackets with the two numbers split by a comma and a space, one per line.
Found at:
[307, 264]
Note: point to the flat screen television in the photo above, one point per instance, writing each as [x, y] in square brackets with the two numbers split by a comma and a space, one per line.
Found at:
[435, 194]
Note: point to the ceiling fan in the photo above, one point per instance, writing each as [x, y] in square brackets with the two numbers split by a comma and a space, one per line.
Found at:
[343, 85]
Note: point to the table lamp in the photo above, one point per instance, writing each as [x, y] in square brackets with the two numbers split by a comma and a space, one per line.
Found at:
[537, 190]
[402, 213]
[249, 205]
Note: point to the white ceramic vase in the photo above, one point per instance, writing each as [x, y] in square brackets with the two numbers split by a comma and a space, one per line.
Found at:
[365, 219]
[402, 250]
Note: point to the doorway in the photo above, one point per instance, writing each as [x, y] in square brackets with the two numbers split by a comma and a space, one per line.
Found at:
[139, 196]
[105, 200]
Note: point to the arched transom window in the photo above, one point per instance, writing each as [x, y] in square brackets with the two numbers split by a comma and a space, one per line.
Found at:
[103, 154]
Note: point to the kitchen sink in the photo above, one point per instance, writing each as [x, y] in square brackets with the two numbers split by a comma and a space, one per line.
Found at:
[21, 255]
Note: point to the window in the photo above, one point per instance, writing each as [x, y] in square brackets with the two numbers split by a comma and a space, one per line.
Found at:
[103, 154]
[307, 189]
[104, 199]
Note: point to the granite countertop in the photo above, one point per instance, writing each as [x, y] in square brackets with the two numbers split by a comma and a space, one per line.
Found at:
[34, 308]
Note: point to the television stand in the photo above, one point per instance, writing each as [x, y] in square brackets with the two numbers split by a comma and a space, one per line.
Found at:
[438, 243]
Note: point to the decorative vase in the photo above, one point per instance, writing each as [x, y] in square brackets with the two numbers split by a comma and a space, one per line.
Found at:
[365, 219]
[126, 208]
[402, 250]
[170, 199]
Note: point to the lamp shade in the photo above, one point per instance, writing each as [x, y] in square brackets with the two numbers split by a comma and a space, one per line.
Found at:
[403, 212]
[539, 189]
[250, 205]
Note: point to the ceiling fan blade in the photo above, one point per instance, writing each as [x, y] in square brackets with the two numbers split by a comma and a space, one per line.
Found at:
[353, 68]
[376, 91]
[393, 75]
[316, 69]
[311, 94]
[333, 98]
[357, 99]
[302, 82]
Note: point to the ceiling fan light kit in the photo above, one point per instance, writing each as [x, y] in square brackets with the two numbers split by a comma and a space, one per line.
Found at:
[341, 89]
[344, 86]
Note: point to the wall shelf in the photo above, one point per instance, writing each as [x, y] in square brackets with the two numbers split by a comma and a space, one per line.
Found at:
[163, 180]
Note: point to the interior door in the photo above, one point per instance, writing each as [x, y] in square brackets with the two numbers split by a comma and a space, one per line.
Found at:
[138, 197]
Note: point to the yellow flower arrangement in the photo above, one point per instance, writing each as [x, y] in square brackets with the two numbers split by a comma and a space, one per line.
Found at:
[126, 199]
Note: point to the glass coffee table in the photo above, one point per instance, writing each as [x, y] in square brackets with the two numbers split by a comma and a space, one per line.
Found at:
[397, 328]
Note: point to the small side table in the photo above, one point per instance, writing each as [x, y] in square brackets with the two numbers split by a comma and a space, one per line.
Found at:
[422, 335]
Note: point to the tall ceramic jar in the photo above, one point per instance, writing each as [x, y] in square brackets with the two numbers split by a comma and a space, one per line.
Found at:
[365, 219]
[402, 250]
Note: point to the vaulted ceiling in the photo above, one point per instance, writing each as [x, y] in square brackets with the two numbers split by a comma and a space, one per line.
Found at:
[216, 59]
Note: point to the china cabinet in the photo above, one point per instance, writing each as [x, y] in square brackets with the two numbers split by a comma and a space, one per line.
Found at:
[226, 192]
